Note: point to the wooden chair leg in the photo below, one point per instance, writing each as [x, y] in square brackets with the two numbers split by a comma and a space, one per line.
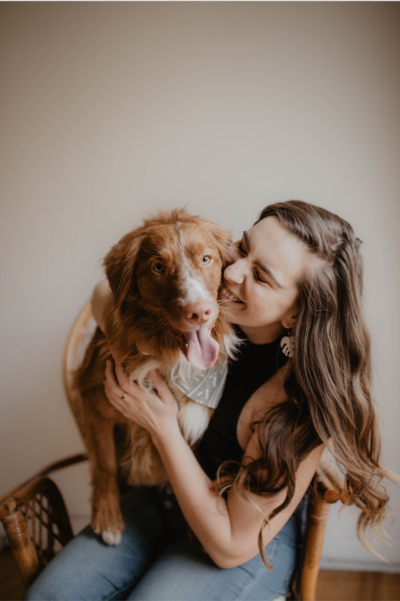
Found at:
[317, 516]
[22, 546]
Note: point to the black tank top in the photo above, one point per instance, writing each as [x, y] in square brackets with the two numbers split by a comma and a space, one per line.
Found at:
[254, 365]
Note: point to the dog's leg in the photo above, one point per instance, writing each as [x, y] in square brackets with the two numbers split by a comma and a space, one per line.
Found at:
[107, 518]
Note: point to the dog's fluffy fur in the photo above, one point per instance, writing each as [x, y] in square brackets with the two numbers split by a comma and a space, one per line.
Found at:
[144, 324]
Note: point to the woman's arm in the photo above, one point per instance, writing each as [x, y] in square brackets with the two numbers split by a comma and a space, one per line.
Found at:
[101, 296]
[228, 530]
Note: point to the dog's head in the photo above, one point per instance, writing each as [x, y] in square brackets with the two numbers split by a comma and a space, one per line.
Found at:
[171, 269]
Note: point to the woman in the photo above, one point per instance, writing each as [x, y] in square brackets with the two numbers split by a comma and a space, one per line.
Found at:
[297, 271]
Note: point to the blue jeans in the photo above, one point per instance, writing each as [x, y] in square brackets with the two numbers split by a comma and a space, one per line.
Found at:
[155, 561]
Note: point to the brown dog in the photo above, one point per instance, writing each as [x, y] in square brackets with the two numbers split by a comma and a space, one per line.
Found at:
[163, 314]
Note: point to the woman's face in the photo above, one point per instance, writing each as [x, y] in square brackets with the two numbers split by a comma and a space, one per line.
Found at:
[259, 290]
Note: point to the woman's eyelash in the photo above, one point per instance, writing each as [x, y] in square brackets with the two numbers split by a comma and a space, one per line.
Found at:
[257, 277]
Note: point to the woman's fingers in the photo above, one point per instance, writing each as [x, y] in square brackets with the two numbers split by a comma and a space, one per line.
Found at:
[123, 379]
[119, 379]
[113, 390]
[140, 406]
[157, 381]
[110, 377]
[161, 386]
[119, 384]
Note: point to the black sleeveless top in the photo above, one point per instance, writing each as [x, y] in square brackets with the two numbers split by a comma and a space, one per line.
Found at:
[254, 365]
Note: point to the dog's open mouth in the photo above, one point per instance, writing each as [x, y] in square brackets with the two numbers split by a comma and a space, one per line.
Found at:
[199, 346]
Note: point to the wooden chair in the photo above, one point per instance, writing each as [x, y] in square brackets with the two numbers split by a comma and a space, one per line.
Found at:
[36, 520]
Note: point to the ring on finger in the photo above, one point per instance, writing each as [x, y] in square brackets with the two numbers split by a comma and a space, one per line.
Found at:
[122, 396]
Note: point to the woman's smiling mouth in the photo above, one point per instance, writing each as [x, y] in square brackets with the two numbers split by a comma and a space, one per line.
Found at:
[227, 295]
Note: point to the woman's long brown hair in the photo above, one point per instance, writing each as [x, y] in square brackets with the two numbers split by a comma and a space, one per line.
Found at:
[328, 381]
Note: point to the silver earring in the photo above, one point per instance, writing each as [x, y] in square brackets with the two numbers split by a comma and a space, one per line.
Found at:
[287, 345]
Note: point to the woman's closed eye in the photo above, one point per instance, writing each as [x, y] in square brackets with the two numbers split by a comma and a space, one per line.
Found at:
[240, 247]
[256, 274]
[257, 277]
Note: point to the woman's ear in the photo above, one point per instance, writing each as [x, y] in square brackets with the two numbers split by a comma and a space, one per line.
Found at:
[288, 325]
[289, 322]
[120, 262]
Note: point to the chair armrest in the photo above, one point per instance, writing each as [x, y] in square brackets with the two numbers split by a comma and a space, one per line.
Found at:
[327, 488]
[36, 520]
[329, 484]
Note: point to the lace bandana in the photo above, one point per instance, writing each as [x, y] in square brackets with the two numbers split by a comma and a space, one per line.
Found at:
[205, 386]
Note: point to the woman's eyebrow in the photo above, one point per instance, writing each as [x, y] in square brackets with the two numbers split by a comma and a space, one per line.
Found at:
[266, 269]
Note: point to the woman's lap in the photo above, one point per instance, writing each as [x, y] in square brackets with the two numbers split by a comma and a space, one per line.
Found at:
[155, 560]
[184, 573]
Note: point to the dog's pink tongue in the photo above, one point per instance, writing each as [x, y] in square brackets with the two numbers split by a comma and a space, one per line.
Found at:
[202, 348]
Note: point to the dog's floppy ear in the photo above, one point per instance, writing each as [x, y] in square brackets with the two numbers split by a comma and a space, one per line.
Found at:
[119, 265]
[223, 239]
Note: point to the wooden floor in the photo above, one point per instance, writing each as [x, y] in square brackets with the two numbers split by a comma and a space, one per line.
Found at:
[358, 586]
[332, 586]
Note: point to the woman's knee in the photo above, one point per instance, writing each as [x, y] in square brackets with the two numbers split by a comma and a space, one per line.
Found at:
[87, 568]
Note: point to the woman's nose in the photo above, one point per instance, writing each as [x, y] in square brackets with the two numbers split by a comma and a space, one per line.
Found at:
[235, 272]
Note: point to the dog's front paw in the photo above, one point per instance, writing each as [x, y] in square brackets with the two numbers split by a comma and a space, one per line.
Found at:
[111, 538]
[107, 521]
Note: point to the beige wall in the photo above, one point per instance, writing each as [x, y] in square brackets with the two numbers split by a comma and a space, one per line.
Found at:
[109, 110]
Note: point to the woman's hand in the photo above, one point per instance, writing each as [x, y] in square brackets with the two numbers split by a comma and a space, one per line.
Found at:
[153, 411]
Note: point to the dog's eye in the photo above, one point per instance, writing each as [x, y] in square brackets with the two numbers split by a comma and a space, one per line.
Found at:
[206, 260]
[158, 267]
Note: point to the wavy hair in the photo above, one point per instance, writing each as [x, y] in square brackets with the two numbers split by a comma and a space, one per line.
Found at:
[328, 381]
